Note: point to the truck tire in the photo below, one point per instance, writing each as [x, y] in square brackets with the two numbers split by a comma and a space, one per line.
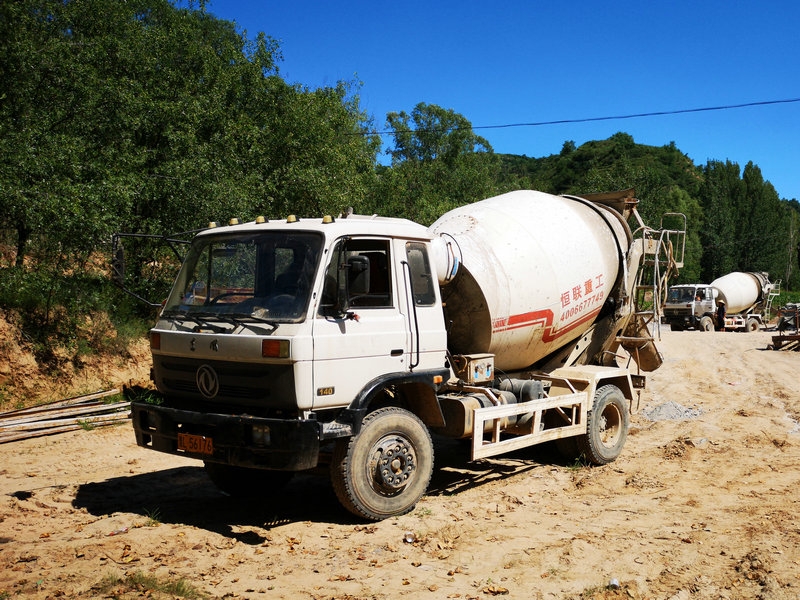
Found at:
[707, 324]
[606, 426]
[675, 327]
[384, 469]
[752, 325]
[241, 482]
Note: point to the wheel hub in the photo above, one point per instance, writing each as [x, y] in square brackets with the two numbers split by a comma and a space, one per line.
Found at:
[394, 463]
[609, 427]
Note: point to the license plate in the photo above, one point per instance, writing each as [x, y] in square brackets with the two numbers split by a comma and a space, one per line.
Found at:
[196, 444]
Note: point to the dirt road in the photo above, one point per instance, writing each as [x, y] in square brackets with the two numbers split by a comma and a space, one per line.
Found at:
[703, 503]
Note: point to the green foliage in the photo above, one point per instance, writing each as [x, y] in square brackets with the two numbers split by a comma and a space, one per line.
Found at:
[153, 517]
[168, 118]
[438, 163]
[721, 196]
[596, 165]
[312, 155]
[761, 224]
[66, 316]
[678, 200]
[432, 133]
[86, 425]
[145, 117]
[746, 227]
[787, 297]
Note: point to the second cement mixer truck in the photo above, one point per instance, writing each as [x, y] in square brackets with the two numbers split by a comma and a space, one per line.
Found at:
[747, 298]
[345, 342]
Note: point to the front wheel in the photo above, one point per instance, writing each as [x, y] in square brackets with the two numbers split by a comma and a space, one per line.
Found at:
[606, 427]
[385, 469]
[707, 324]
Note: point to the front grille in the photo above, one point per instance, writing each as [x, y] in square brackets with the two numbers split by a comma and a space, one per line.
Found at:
[262, 385]
[239, 392]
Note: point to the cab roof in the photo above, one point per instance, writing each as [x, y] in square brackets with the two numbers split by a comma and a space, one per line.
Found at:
[331, 227]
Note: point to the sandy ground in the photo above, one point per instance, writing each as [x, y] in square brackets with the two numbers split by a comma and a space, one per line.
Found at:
[702, 503]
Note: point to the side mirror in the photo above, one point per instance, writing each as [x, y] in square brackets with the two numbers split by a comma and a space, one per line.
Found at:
[352, 280]
[358, 275]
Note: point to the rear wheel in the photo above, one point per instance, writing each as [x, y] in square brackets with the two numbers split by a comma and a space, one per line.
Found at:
[242, 482]
[385, 469]
[606, 427]
[752, 325]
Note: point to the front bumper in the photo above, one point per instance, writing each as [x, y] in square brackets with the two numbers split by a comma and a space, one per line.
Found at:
[291, 444]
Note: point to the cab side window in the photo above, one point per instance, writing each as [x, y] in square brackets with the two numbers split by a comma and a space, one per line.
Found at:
[370, 273]
[421, 277]
[363, 268]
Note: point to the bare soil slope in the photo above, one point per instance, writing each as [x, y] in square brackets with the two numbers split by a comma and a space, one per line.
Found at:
[703, 503]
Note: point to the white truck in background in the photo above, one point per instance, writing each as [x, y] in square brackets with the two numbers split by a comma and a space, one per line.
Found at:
[747, 297]
[344, 342]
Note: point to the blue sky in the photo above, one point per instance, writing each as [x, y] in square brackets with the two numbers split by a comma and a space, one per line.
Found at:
[500, 63]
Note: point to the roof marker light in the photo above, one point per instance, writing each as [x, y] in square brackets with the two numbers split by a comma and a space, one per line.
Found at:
[261, 219]
[212, 224]
[291, 219]
[233, 221]
[327, 219]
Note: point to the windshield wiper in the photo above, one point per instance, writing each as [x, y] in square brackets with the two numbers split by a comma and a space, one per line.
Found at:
[201, 320]
[204, 319]
[241, 319]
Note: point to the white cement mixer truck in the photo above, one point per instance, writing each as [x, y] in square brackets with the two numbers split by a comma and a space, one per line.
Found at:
[747, 298]
[344, 342]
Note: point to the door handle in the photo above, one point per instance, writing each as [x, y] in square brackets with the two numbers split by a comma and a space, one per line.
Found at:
[397, 352]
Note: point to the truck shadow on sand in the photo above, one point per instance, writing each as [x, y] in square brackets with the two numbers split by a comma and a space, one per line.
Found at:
[185, 495]
[455, 473]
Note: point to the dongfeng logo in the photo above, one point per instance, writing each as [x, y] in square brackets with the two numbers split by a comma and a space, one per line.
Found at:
[207, 381]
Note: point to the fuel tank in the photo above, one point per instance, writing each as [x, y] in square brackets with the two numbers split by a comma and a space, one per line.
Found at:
[527, 273]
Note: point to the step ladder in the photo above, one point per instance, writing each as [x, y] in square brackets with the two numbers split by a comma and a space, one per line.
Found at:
[663, 252]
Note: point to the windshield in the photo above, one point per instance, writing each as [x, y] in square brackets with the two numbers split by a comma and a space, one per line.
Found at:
[681, 295]
[262, 275]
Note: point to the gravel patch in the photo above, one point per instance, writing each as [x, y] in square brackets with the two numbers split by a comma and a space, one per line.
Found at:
[670, 411]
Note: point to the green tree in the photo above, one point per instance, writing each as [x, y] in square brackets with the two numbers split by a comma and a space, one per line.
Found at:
[438, 163]
[678, 200]
[763, 229]
[150, 118]
[791, 249]
[432, 132]
[721, 196]
[313, 153]
[146, 117]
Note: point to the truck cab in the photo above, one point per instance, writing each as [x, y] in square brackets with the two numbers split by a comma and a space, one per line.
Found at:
[291, 326]
[690, 306]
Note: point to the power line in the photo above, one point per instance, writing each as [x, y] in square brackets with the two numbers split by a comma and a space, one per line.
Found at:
[613, 118]
[647, 114]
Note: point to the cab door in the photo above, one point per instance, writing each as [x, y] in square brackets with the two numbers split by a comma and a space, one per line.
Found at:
[372, 339]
